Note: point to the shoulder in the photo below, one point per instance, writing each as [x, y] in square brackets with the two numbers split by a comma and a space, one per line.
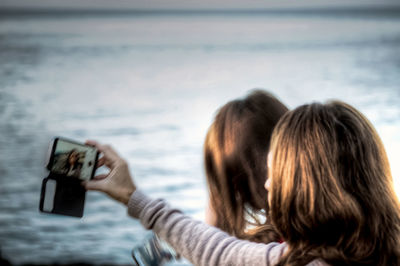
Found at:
[277, 251]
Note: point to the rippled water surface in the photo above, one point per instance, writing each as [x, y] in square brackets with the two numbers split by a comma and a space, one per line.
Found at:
[150, 85]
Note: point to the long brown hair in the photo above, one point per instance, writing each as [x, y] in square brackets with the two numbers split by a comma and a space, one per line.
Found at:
[332, 194]
[235, 155]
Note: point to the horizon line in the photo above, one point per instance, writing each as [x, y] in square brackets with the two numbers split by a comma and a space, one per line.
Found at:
[355, 10]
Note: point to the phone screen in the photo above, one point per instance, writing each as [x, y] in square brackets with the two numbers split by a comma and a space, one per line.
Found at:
[73, 159]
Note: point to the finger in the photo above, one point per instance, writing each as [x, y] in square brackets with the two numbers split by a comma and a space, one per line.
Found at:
[98, 146]
[108, 150]
[111, 157]
[100, 177]
[100, 162]
[94, 185]
[91, 142]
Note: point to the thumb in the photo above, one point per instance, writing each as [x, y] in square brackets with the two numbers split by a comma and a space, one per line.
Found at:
[94, 185]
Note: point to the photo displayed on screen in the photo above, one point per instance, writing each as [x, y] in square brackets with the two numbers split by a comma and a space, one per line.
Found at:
[74, 160]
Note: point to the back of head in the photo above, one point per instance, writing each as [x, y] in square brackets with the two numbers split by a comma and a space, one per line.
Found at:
[235, 153]
[332, 195]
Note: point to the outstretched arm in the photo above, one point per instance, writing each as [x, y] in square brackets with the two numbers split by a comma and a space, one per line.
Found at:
[198, 242]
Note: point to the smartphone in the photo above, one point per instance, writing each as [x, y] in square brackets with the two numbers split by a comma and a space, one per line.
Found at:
[72, 159]
[69, 163]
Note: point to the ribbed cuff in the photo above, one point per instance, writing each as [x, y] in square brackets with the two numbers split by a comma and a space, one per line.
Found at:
[137, 203]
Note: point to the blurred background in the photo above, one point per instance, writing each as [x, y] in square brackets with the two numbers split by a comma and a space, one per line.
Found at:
[148, 77]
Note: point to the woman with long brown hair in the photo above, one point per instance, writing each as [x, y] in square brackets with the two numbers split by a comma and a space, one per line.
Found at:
[235, 152]
[330, 189]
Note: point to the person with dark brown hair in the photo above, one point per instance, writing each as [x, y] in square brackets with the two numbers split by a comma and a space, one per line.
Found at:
[235, 155]
[331, 197]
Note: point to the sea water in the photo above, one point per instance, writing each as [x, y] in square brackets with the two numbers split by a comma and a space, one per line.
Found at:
[149, 85]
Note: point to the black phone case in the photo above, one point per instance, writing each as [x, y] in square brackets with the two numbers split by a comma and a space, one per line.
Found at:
[68, 197]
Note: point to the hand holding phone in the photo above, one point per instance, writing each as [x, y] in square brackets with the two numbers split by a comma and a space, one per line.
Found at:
[118, 183]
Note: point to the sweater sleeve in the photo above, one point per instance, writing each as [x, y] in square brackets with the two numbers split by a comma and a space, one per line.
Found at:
[198, 242]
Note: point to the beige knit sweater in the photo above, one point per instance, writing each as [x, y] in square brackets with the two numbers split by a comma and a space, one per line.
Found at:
[198, 242]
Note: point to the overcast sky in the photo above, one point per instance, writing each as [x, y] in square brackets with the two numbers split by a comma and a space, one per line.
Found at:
[193, 4]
